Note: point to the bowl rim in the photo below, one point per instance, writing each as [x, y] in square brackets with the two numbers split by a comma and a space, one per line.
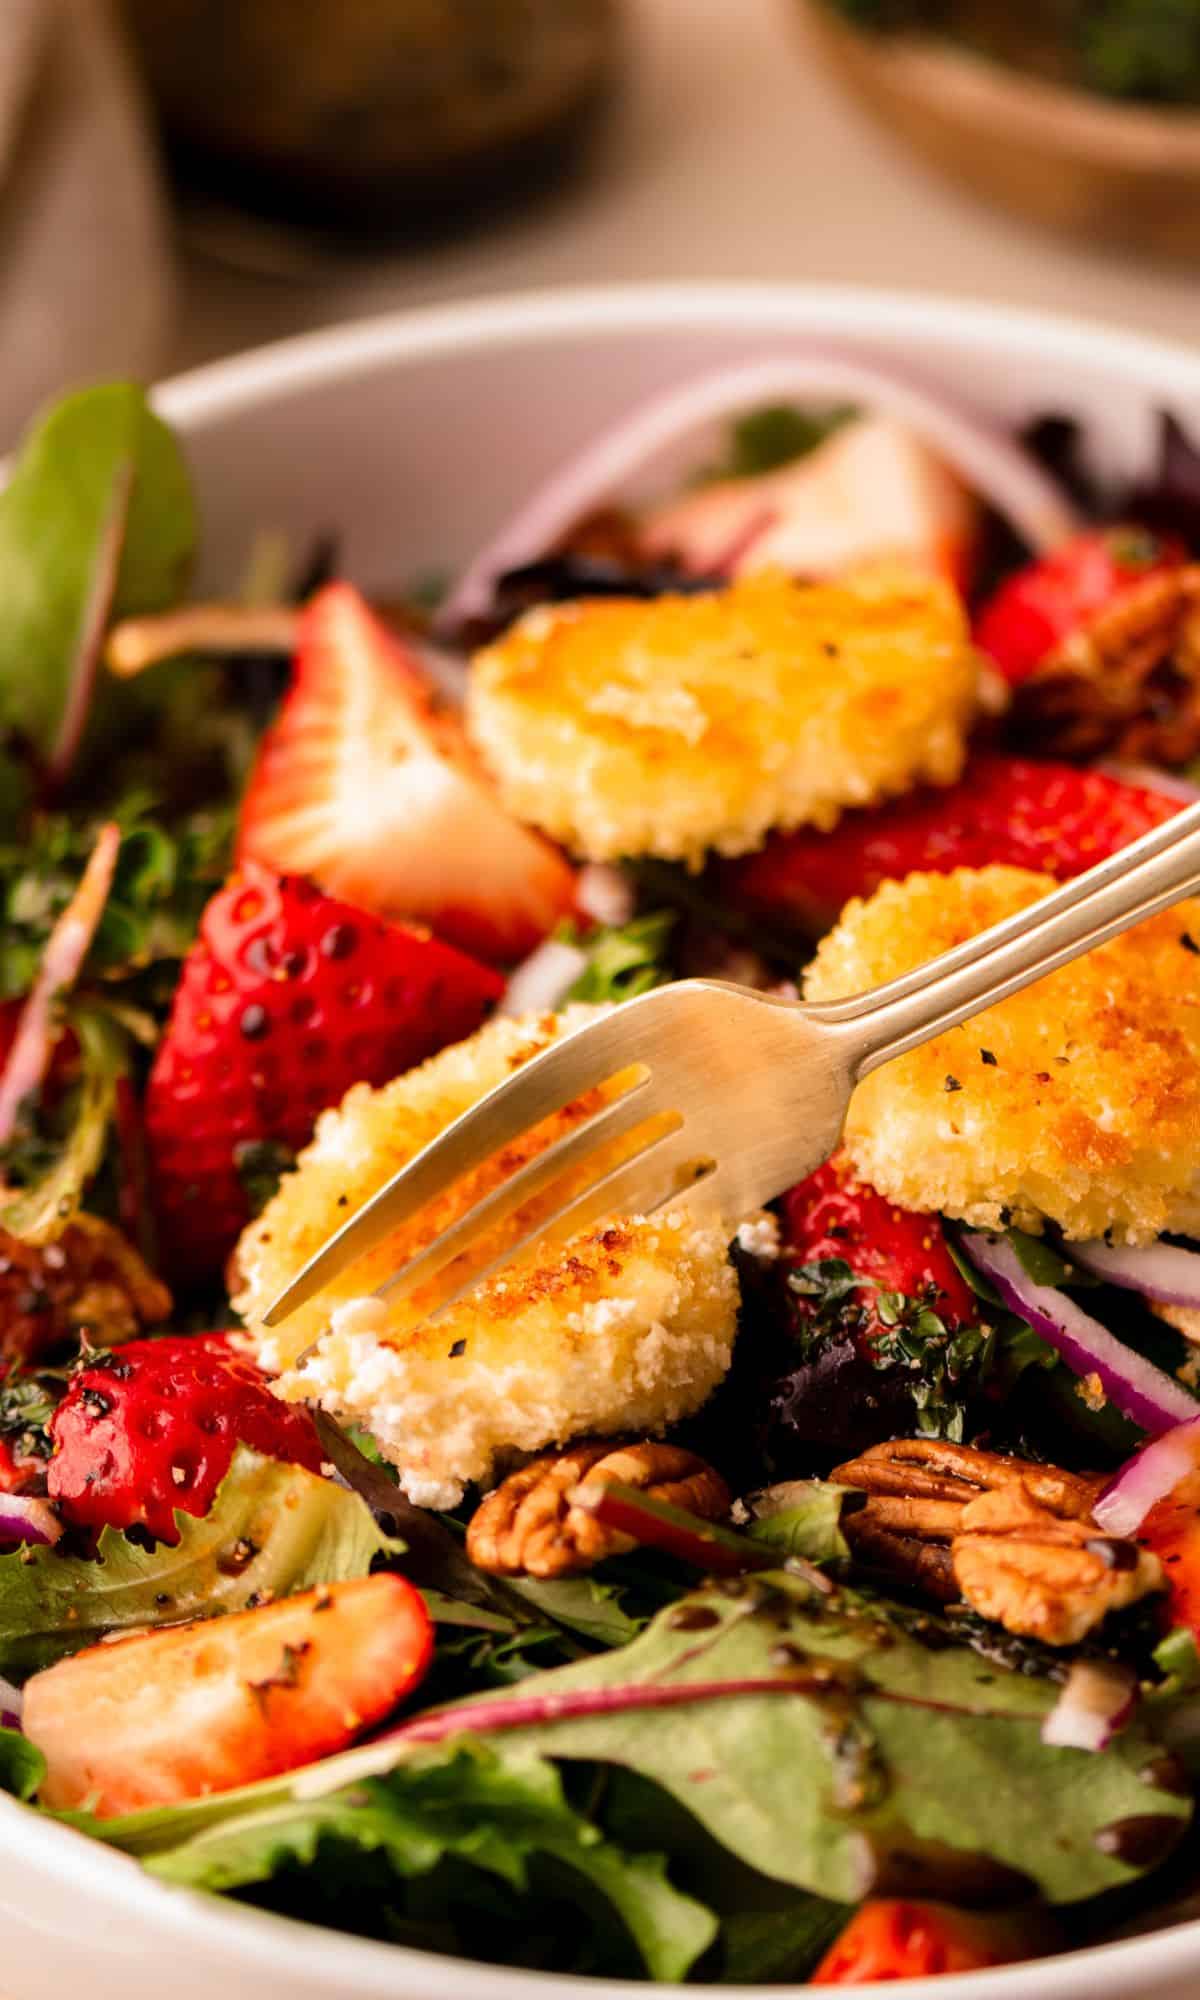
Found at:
[358, 347]
[308, 1953]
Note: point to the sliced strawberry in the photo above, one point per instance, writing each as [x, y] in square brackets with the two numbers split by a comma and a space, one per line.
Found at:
[871, 490]
[286, 999]
[832, 1215]
[1051, 600]
[193, 1709]
[364, 785]
[1171, 1531]
[152, 1426]
[892, 1939]
[1051, 817]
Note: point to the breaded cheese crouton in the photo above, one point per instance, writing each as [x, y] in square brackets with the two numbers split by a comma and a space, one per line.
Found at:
[696, 722]
[628, 1326]
[1076, 1101]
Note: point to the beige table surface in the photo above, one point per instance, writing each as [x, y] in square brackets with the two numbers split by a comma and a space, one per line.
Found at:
[730, 155]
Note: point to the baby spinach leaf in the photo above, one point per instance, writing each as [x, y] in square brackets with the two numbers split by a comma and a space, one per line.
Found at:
[99, 506]
[872, 1761]
[272, 1528]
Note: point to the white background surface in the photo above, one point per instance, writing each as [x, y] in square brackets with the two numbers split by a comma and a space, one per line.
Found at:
[729, 154]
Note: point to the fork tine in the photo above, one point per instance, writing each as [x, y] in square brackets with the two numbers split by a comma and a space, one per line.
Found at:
[589, 1055]
[635, 1186]
[607, 1125]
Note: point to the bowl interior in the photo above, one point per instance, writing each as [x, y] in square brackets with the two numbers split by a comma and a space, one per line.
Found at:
[412, 437]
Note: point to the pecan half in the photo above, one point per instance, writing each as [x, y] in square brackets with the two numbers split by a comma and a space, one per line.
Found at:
[1016, 1541]
[88, 1280]
[1128, 683]
[529, 1527]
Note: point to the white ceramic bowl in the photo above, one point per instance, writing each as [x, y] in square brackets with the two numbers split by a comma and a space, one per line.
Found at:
[412, 436]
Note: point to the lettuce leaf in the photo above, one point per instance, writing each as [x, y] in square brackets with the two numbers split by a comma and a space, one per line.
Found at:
[99, 471]
[272, 1529]
[894, 1757]
[499, 1812]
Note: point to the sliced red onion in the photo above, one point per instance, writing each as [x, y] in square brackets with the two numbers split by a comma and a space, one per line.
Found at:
[66, 949]
[1158, 1270]
[1149, 778]
[542, 981]
[24, 1518]
[1097, 1700]
[1142, 1392]
[666, 439]
[1147, 1478]
[12, 1705]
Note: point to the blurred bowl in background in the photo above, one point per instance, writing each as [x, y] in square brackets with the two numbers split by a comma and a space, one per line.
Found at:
[370, 117]
[1111, 172]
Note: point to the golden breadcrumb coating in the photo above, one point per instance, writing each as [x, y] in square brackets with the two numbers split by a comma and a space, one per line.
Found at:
[1076, 1101]
[629, 1326]
[699, 722]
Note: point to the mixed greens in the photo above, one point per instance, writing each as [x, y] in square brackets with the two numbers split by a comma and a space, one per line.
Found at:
[725, 1744]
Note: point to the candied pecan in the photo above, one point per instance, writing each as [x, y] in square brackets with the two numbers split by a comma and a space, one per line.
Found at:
[1128, 683]
[529, 1527]
[1015, 1540]
[90, 1280]
[1044, 1575]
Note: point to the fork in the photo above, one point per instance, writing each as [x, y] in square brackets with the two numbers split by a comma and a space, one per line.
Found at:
[713, 1087]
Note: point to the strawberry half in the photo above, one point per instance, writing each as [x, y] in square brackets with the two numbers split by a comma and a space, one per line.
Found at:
[872, 490]
[1055, 818]
[286, 998]
[831, 1215]
[1050, 600]
[152, 1426]
[199, 1708]
[365, 785]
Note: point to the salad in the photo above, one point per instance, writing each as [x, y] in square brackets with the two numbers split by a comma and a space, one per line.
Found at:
[805, 1596]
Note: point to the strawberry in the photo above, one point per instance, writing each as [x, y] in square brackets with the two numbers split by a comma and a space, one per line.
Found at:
[1052, 817]
[193, 1709]
[1051, 600]
[1171, 1531]
[871, 490]
[894, 1940]
[833, 1215]
[363, 784]
[152, 1426]
[286, 999]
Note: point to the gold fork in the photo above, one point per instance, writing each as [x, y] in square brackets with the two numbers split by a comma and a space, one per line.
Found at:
[707, 1085]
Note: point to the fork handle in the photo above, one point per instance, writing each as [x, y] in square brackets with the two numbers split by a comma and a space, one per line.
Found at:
[1121, 891]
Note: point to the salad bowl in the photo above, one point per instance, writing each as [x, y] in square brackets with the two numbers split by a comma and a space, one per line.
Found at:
[414, 439]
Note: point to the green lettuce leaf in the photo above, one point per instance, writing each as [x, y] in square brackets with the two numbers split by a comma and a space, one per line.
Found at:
[96, 460]
[897, 1757]
[802, 1517]
[502, 1811]
[22, 1766]
[624, 960]
[272, 1529]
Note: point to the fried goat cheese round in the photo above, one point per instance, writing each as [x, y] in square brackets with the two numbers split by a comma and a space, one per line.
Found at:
[694, 722]
[1076, 1101]
[629, 1326]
